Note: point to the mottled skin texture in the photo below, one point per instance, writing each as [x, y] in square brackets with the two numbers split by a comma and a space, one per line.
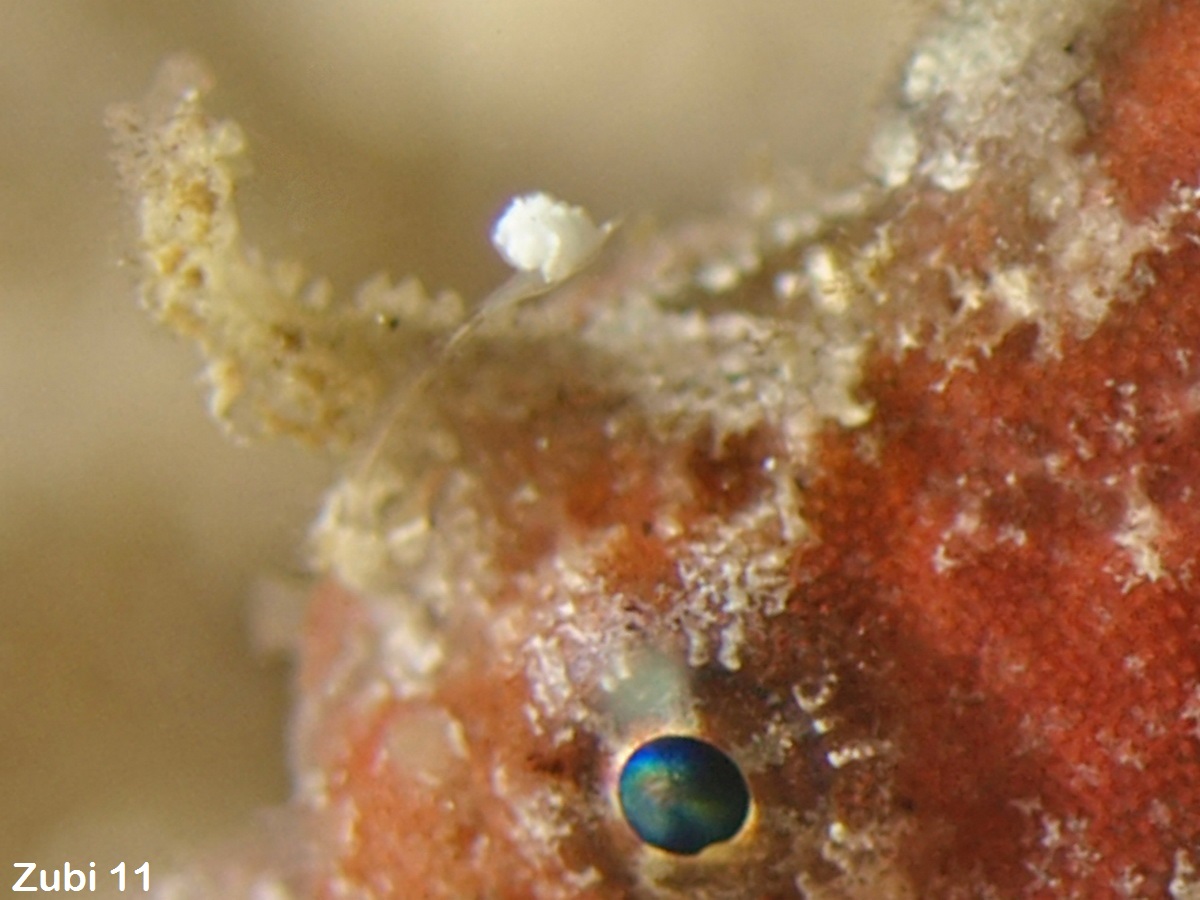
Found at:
[1040, 670]
[1147, 123]
[994, 605]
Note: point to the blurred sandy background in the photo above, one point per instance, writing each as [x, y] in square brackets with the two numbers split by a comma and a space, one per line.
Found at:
[135, 715]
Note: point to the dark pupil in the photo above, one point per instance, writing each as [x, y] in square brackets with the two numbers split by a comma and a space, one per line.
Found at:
[681, 794]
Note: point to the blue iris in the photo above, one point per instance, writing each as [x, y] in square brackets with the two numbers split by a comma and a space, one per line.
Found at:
[681, 794]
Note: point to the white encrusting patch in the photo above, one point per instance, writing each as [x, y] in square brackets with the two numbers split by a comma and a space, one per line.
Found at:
[832, 288]
[1185, 882]
[840, 757]
[1139, 535]
[720, 598]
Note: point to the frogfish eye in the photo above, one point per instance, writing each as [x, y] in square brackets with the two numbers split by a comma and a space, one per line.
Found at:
[682, 794]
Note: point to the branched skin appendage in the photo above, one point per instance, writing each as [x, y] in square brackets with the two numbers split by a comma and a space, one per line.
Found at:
[283, 356]
[886, 499]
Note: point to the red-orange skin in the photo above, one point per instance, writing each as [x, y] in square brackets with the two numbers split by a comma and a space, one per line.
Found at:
[1036, 679]
[1148, 130]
